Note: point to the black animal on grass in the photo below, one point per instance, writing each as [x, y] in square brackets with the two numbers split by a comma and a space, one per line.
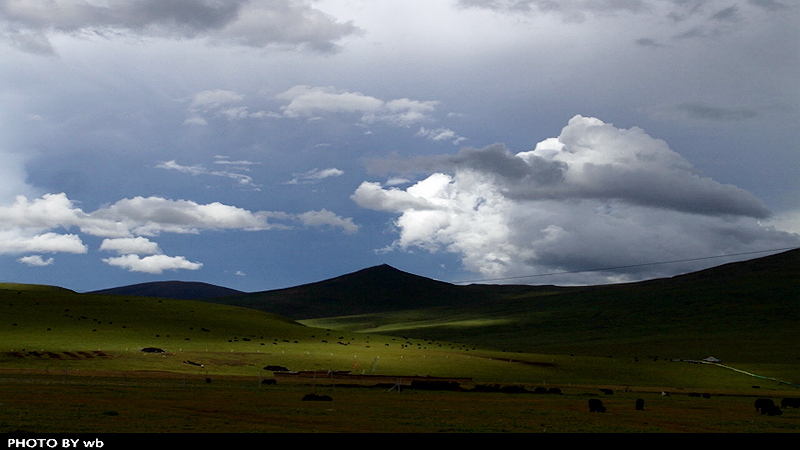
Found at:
[596, 405]
[514, 390]
[639, 404]
[790, 403]
[153, 350]
[316, 398]
[771, 410]
[763, 403]
[436, 385]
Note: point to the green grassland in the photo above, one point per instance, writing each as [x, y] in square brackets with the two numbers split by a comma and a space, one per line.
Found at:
[73, 362]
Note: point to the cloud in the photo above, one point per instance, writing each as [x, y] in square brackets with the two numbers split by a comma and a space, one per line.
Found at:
[125, 218]
[730, 13]
[41, 243]
[151, 216]
[225, 160]
[219, 103]
[126, 223]
[124, 246]
[327, 218]
[647, 42]
[770, 5]
[36, 261]
[702, 111]
[570, 10]
[242, 179]
[280, 24]
[594, 197]
[441, 134]
[155, 264]
[308, 101]
[214, 99]
[315, 176]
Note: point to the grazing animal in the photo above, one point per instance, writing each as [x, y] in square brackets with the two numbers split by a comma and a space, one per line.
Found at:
[316, 398]
[596, 405]
[763, 403]
[639, 404]
[153, 350]
[607, 391]
[771, 410]
[664, 394]
[790, 403]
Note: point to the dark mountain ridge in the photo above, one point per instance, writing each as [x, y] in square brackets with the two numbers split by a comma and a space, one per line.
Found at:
[182, 290]
[385, 289]
[374, 289]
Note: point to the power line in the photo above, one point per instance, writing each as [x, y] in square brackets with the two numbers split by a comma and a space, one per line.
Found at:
[626, 267]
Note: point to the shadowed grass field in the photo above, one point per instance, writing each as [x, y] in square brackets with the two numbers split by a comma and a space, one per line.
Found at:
[177, 405]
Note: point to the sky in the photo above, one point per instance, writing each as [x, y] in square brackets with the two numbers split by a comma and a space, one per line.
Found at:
[261, 145]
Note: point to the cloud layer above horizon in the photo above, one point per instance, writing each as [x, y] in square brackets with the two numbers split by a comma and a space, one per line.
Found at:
[594, 197]
[260, 145]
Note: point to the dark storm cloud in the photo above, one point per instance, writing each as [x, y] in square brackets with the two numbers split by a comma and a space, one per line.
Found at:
[498, 160]
[257, 24]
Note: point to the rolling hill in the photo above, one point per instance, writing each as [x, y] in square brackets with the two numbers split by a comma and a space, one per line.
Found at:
[746, 310]
[739, 311]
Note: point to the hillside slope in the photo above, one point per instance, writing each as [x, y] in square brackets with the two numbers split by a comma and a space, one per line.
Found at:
[739, 310]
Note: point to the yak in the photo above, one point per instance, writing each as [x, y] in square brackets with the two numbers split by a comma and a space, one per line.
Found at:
[790, 403]
[763, 403]
[596, 405]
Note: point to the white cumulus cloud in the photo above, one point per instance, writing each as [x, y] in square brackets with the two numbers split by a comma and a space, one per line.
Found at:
[155, 264]
[595, 197]
[41, 243]
[309, 101]
[138, 245]
[36, 261]
[315, 175]
[327, 218]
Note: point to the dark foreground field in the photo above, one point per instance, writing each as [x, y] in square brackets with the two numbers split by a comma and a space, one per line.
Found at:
[177, 404]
